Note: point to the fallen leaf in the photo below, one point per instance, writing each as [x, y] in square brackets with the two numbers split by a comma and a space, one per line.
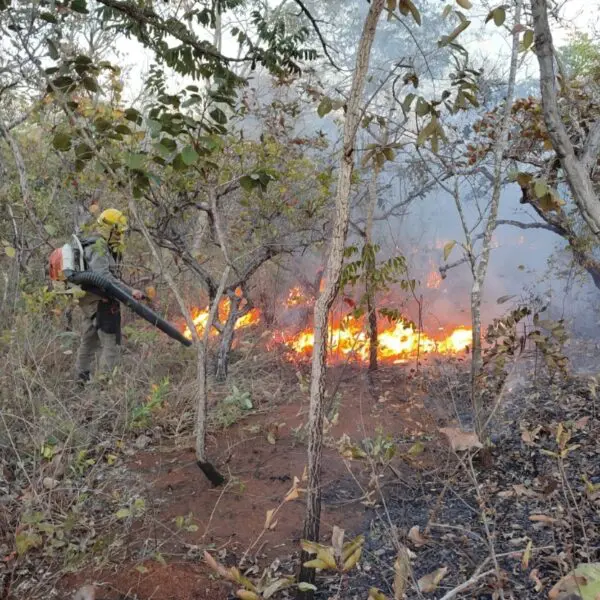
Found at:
[529, 436]
[583, 583]
[269, 518]
[429, 583]
[461, 440]
[534, 576]
[86, 592]
[581, 423]
[415, 536]
[522, 490]
[542, 519]
[526, 555]
[401, 573]
[337, 542]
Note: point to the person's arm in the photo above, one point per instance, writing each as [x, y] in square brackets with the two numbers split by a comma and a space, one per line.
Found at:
[99, 261]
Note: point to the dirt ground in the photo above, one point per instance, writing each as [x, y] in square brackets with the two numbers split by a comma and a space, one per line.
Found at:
[229, 520]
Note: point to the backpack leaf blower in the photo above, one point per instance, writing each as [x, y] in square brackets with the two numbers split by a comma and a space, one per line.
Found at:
[99, 285]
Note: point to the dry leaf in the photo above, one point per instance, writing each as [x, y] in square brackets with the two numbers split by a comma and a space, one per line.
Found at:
[522, 490]
[581, 423]
[542, 519]
[529, 436]
[218, 567]
[534, 576]
[401, 573]
[269, 519]
[506, 494]
[429, 583]
[461, 440]
[415, 536]
[86, 592]
[292, 494]
[337, 542]
[526, 555]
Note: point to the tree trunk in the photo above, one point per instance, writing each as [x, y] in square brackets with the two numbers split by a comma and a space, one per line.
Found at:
[332, 278]
[369, 271]
[577, 176]
[481, 269]
[226, 338]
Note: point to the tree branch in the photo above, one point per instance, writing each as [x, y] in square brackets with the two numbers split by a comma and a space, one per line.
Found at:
[577, 176]
[592, 146]
[313, 21]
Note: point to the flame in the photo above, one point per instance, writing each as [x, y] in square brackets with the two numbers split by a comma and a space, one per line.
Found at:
[397, 342]
[200, 318]
[297, 297]
[434, 279]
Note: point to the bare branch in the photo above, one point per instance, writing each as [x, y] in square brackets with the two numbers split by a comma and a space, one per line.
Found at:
[592, 146]
[315, 25]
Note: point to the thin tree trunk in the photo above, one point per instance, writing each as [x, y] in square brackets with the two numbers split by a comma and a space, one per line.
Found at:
[370, 269]
[332, 278]
[578, 178]
[226, 339]
[481, 269]
[200, 392]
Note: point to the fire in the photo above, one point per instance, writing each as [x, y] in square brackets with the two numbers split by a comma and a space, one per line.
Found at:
[348, 337]
[434, 279]
[396, 342]
[200, 318]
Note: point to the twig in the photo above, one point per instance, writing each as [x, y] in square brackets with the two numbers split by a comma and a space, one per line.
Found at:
[467, 584]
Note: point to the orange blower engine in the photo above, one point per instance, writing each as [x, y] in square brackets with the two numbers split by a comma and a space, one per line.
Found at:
[66, 259]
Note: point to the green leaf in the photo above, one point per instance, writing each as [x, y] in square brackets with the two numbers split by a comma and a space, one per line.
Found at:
[527, 40]
[135, 160]
[62, 141]
[189, 155]
[408, 101]
[102, 124]
[447, 10]
[466, 4]
[448, 248]
[52, 49]
[247, 183]
[169, 144]
[123, 129]
[79, 6]
[48, 17]
[307, 587]
[499, 16]
[218, 116]
[324, 107]
[62, 83]
[423, 107]
[90, 84]
[131, 114]
[84, 152]
[25, 541]
[123, 513]
[10, 251]
[448, 39]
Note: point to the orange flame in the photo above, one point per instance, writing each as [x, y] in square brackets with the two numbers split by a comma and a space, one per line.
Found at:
[396, 342]
[200, 318]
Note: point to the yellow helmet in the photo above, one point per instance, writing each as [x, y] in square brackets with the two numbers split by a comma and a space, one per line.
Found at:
[113, 219]
[112, 225]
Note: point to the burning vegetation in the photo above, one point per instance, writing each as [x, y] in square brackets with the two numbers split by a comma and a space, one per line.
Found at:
[398, 340]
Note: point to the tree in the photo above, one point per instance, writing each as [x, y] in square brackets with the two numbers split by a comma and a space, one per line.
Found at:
[332, 275]
[576, 164]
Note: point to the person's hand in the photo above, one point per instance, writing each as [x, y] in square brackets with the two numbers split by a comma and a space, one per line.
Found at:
[138, 295]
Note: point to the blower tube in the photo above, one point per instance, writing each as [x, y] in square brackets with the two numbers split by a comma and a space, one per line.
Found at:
[97, 284]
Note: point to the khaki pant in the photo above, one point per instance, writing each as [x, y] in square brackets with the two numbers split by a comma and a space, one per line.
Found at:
[93, 340]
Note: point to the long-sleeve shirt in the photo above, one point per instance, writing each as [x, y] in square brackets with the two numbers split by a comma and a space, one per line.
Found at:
[99, 259]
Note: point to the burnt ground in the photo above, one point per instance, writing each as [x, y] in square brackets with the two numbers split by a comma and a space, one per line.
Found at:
[526, 514]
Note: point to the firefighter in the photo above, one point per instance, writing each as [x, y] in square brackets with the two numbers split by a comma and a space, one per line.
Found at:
[102, 317]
